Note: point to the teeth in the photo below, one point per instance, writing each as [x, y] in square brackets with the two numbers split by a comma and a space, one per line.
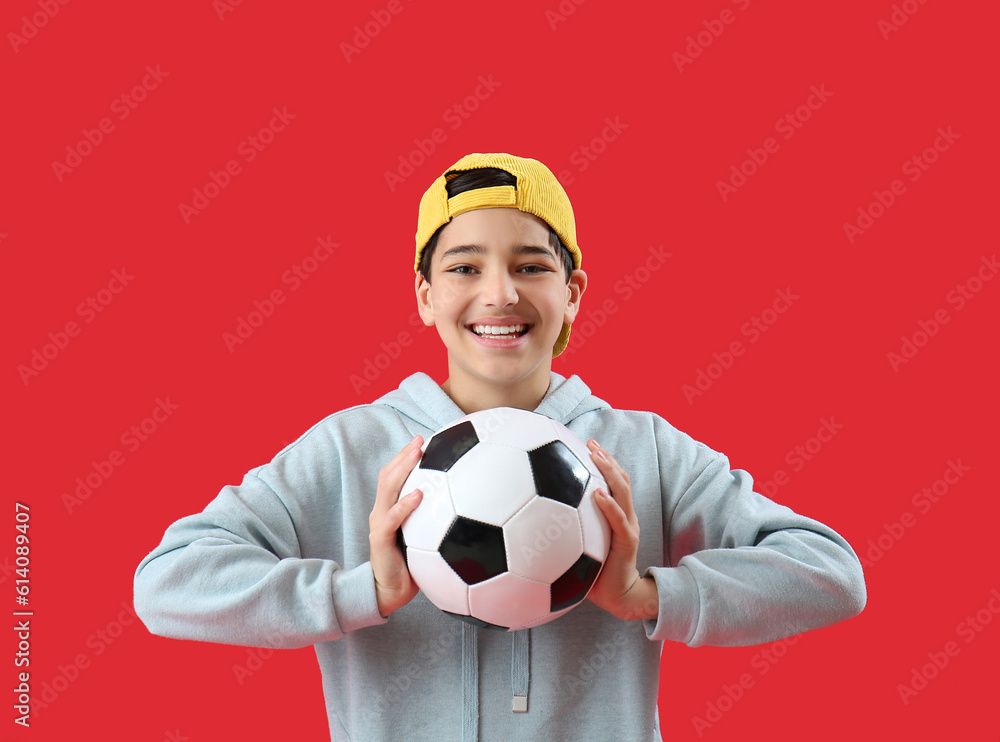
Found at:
[498, 329]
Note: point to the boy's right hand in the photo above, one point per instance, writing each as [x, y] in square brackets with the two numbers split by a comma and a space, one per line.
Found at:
[394, 587]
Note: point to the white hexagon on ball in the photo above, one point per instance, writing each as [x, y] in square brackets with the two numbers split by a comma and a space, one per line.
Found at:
[510, 601]
[543, 540]
[438, 581]
[491, 483]
[506, 426]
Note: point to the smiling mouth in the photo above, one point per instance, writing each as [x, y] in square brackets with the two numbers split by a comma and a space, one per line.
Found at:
[499, 331]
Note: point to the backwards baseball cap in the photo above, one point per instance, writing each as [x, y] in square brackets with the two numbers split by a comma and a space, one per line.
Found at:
[536, 191]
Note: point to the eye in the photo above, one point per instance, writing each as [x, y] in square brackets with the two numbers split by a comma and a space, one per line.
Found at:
[534, 268]
[462, 270]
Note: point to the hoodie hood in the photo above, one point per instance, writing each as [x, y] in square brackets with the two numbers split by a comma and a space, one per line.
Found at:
[420, 399]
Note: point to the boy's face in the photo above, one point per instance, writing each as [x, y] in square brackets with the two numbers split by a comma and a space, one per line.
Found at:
[494, 268]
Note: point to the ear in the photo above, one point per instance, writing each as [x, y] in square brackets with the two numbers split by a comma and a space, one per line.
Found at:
[422, 288]
[574, 293]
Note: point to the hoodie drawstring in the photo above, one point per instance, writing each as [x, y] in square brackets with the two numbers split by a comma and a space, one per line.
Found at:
[470, 682]
[520, 669]
[520, 675]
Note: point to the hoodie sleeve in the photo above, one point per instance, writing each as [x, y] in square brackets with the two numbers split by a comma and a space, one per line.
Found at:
[742, 569]
[234, 574]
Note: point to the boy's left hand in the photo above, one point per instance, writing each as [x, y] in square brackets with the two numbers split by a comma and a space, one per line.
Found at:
[620, 589]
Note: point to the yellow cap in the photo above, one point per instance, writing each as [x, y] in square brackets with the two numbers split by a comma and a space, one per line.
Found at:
[536, 192]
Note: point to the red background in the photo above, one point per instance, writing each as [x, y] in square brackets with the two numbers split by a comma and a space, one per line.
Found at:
[556, 82]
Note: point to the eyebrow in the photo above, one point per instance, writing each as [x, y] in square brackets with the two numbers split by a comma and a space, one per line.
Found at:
[475, 249]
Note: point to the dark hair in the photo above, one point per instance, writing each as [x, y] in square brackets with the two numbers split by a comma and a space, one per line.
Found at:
[486, 177]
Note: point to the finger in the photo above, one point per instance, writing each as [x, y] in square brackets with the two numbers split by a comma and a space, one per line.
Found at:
[394, 474]
[614, 474]
[602, 455]
[386, 530]
[617, 518]
[402, 509]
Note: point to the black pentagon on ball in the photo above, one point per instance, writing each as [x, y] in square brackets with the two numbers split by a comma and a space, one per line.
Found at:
[448, 446]
[477, 622]
[559, 474]
[474, 550]
[572, 587]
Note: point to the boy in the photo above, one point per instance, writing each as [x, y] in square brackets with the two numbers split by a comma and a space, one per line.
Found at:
[304, 551]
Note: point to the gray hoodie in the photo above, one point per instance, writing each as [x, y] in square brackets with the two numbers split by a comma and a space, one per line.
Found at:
[282, 561]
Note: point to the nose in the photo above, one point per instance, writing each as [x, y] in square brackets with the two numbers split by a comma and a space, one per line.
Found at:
[499, 289]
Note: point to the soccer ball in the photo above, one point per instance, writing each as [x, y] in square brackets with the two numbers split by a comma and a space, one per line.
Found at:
[507, 534]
